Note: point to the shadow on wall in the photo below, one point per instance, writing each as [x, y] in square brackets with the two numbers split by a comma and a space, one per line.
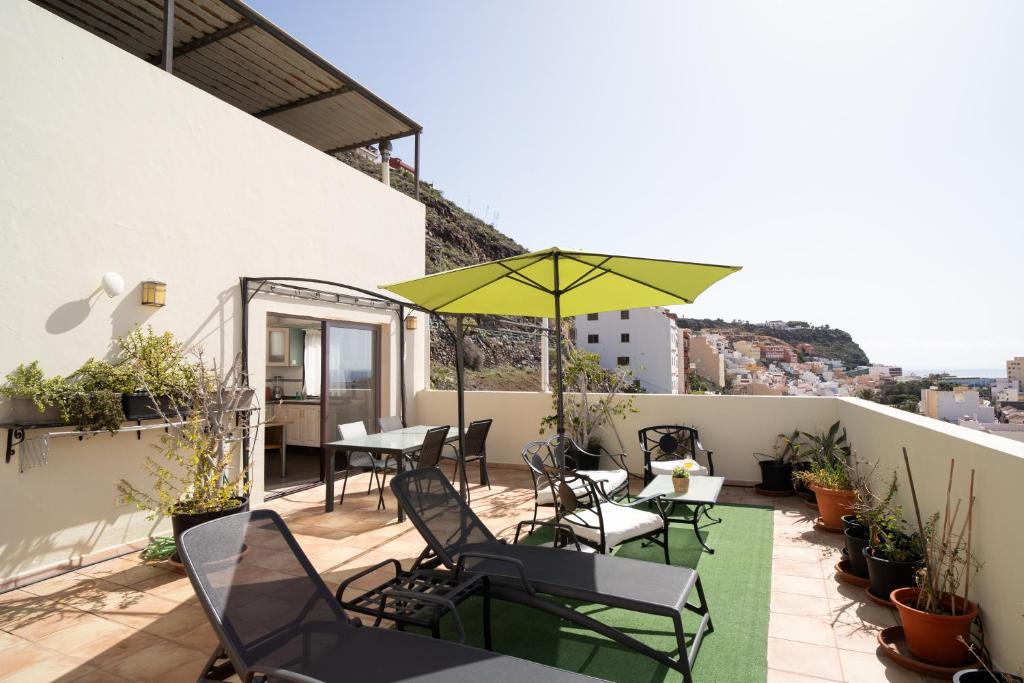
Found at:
[67, 317]
[220, 314]
[129, 312]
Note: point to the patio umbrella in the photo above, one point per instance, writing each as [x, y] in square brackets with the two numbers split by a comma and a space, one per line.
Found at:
[557, 283]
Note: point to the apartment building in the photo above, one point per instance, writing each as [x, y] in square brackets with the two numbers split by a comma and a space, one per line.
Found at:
[644, 339]
[952, 406]
[707, 358]
[1005, 389]
[1015, 369]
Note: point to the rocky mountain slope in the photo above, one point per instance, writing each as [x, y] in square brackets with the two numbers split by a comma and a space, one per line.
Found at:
[828, 342]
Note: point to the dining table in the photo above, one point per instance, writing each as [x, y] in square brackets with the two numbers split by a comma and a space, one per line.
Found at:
[401, 444]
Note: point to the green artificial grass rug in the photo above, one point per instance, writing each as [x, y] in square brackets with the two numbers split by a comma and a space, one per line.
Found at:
[737, 584]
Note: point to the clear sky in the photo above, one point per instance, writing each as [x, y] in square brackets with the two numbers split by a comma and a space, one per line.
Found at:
[861, 160]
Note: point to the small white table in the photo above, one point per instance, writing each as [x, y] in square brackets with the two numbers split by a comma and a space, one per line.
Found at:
[399, 443]
[703, 493]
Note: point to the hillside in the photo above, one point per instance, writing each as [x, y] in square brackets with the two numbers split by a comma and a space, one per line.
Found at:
[828, 342]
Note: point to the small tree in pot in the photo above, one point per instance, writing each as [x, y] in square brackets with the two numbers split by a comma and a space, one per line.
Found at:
[192, 480]
[936, 618]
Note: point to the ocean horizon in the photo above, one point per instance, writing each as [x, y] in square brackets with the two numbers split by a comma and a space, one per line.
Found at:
[959, 372]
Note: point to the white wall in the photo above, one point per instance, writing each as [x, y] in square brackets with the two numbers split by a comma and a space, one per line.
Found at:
[110, 164]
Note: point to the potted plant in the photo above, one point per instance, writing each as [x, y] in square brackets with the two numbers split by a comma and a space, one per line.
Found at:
[192, 481]
[985, 674]
[595, 404]
[869, 510]
[777, 469]
[92, 397]
[830, 475]
[30, 397]
[893, 555]
[936, 618]
[156, 377]
[680, 480]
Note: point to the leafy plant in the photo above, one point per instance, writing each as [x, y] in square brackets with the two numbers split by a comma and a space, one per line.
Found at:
[787, 449]
[28, 381]
[680, 473]
[585, 413]
[160, 548]
[831, 463]
[193, 471]
[156, 364]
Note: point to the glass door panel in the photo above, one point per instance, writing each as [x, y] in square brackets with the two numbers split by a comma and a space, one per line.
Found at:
[352, 377]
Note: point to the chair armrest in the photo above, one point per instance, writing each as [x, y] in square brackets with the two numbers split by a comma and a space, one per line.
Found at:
[553, 525]
[428, 597]
[520, 567]
[369, 570]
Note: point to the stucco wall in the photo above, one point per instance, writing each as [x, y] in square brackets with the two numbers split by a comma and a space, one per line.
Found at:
[110, 164]
[736, 426]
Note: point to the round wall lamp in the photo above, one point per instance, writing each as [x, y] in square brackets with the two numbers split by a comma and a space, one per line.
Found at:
[113, 284]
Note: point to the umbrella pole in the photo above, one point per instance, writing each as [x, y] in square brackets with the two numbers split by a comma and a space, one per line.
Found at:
[560, 451]
[460, 372]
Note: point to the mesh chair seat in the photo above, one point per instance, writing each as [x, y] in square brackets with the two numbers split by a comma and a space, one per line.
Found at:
[273, 614]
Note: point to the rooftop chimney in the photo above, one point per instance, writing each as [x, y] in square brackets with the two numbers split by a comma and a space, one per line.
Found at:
[385, 162]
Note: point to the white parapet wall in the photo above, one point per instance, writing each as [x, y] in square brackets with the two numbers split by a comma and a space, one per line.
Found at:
[734, 427]
[111, 164]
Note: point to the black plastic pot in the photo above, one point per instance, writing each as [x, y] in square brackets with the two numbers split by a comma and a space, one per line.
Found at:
[982, 676]
[888, 575]
[856, 542]
[851, 522]
[180, 523]
[142, 406]
[776, 476]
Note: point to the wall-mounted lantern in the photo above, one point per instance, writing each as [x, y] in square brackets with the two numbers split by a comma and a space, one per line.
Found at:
[154, 293]
[411, 322]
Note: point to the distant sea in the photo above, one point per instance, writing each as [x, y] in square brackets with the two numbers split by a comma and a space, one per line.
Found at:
[959, 372]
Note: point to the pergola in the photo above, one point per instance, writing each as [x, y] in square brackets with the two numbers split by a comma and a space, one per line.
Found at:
[232, 52]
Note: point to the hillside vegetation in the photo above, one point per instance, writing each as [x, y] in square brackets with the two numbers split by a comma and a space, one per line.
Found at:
[829, 342]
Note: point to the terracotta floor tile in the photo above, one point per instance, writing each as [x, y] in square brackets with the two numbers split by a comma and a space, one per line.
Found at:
[807, 569]
[798, 585]
[861, 667]
[859, 637]
[800, 605]
[804, 658]
[776, 676]
[56, 667]
[814, 630]
[22, 656]
[87, 638]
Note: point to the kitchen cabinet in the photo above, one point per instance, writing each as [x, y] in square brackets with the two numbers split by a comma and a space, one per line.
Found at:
[296, 347]
[303, 420]
[278, 341]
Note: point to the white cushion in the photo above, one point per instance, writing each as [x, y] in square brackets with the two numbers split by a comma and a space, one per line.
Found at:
[621, 524]
[666, 467]
[610, 479]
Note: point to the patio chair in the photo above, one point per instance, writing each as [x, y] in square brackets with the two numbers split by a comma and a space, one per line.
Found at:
[433, 447]
[351, 430]
[541, 454]
[666, 447]
[602, 523]
[286, 626]
[390, 423]
[476, 450]
[544, 578]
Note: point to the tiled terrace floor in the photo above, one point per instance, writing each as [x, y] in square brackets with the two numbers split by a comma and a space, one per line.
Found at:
[127, 620]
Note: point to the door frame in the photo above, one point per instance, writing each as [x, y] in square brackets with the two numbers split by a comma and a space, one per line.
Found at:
[325, 434]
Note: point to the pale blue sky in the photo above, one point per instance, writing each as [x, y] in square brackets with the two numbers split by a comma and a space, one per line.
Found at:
[861, 160]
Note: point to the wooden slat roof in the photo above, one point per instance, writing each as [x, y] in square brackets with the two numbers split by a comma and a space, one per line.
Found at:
[229, 50]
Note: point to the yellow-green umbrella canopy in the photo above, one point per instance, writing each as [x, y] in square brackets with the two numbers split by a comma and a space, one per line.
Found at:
[577, 282]
[555, 283]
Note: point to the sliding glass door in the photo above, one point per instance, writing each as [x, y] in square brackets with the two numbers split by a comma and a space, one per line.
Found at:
[351, 377]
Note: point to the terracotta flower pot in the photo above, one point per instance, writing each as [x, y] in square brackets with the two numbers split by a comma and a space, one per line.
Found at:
[681, 484]
[933, 637]
[833, 504]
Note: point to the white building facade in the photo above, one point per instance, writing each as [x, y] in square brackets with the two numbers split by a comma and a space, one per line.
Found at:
[643, 339]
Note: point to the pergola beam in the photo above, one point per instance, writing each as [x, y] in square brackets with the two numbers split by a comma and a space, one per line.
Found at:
[302, 102]
[167, 51]
[204, 40]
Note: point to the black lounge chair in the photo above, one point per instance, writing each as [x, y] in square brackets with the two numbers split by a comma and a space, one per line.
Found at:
[284, 624]
[459, 541]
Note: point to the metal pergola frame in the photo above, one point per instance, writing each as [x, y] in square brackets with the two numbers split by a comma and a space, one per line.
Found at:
[297, 288]
[167, 53]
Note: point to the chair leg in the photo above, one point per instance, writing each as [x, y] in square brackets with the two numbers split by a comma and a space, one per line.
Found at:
[484, 479]
[344, 484]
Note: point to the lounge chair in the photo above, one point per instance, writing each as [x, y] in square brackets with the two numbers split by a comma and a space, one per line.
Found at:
[285, 624]
[459, 541]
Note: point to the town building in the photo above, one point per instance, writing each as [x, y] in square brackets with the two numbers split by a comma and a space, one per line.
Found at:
[646, 340]
[779, 352]
[708, 361]
[1005, 389]
[952, 406]
[1015, 369]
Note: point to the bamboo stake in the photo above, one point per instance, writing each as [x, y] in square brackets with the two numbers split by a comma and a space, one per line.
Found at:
[917, 512]
[970, 519]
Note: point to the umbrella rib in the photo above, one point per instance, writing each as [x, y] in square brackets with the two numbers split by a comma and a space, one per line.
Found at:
[491, 282]
[634, 280]
[577, 281]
